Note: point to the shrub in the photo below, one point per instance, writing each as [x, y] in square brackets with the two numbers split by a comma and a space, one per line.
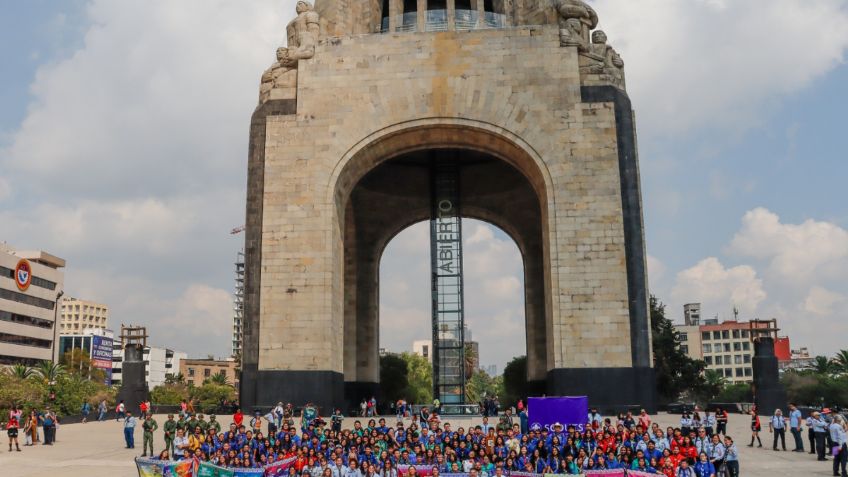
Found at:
[169, 394]
[210, 396]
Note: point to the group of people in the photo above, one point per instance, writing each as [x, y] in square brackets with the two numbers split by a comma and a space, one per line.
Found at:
[27, 426]
[827, 432]
[373, 448]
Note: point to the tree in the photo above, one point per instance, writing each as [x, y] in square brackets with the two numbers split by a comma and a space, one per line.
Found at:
[20, 371]
[210, 396]
[481, 385]
[220, 378]
[394, 378]
[840, 361]
[713, 383]
[49, 372]
[77, 361]
[420, 376]
[175, 378]
[169, 394]
[675, 371]
[471, 360]
[822, 365]
[514, 381]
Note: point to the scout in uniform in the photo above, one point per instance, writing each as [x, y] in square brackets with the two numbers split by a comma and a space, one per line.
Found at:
[204, 426]
[170, 429]
[149, 426]
[213, 424]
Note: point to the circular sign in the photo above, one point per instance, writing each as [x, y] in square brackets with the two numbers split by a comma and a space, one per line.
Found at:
[23, 274]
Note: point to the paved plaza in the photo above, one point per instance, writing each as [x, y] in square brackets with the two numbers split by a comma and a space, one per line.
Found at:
[97, 449]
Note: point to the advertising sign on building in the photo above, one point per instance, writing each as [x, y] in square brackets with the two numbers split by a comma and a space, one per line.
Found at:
[101, 355]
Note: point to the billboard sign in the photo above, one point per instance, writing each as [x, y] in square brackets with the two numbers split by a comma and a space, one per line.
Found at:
[101, 356]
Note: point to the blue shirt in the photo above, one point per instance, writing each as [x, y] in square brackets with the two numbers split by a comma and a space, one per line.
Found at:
[795, 418]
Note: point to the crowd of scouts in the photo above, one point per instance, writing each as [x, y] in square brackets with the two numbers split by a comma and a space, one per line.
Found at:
[375, 449]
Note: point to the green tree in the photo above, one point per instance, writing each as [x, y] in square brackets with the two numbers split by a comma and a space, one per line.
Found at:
[220, 378]
[514, 381]
[210, 396]
[822, 365]
[20, 371]
[175, 378]
[420, 376]
[840, 361]
[713, 384]
[736, 393]
[169, 394]
[471, 360]
[77, 361]
[675, 371]
[481, 385]
[394, 378]
[49, 372]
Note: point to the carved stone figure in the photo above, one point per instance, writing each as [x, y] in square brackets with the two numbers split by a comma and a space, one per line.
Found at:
[586, 17]
[602, 58]
[302, 33]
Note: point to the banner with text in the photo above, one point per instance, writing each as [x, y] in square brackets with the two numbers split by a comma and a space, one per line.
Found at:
[568, 411]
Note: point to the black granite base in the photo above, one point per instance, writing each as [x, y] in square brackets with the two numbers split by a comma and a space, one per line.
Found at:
[133, 386]
[264, 389]
[610, 390]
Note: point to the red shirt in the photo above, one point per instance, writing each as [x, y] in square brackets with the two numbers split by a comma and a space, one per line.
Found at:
[238, 418]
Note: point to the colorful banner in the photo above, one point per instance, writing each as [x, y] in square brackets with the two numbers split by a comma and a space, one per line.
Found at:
[568, 411]
[279, 469]
[609, 473]
[208, 470]
[160, 468]
[101, 356]
[635, 473]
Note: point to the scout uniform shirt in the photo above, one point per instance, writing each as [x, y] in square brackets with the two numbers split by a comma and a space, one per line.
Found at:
[149, 426]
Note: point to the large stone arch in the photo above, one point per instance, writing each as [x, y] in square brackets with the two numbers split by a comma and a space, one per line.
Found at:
[377, 179]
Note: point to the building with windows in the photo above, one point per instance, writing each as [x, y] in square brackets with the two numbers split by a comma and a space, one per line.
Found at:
[31, 283]
[98, 345]
[80, 315]
[159, 363]
[423, 348]
[692, 314]
[728, 347]
[195, 371]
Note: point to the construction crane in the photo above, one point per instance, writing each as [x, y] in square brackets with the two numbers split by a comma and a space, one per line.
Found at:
[237, 230]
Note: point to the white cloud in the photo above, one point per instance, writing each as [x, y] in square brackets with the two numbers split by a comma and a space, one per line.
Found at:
[656, 269]
[821, 301]
[719, 288]
[721, 62]
[794, 252]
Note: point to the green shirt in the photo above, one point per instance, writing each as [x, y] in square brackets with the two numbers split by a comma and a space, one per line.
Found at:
[150, 425]
[170, 428]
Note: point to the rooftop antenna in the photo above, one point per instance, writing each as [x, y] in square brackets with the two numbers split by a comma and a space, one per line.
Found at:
[735, 313]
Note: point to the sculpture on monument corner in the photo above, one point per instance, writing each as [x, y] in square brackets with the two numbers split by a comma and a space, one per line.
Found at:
[602, 58]
[302, 34]
[576, 20]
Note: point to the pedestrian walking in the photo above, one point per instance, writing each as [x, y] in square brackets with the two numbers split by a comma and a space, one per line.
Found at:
[129, 429]
[120, 411]
[777, 426]
[756, 427]
[85, 411]
[795, 423]
[101, 410]
[839, 437]
[820, 428]
[721, 421]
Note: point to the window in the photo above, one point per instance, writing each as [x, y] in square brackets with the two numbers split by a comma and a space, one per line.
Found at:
[191, 372]
[682, 336]
[725, 335]
[728, 372]
[744, 333]
[737, 346]
[705, 335]
[716, 335]
[26, 299]
[736, 334]
[709, 360]
[746, 346]
[718, 360]
[727, 359]
[747, 358]
[739, 372]
[708, 348]
[737, 359]
[24, 340]
[684, 349]
[207, 372]
[749, 372]
[36, 281]
[25, 320]
[726, 347]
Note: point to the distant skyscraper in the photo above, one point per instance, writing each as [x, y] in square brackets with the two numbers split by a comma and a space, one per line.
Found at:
[238, 305]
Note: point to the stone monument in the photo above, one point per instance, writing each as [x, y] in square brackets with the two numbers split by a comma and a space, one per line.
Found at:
[352, 116]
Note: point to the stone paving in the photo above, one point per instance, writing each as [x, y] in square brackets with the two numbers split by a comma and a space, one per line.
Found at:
[97, 449]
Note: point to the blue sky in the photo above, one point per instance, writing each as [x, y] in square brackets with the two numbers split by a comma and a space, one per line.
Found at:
[113, 156]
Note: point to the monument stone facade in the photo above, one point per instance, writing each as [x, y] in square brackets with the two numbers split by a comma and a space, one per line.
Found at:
[368, 94]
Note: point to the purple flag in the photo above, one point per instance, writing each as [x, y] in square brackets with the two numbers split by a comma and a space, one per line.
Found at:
[568, 411]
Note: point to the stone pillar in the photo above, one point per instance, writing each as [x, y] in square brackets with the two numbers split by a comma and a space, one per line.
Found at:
[481, 13]
[451, 15]
[393, 14]
[422, 15]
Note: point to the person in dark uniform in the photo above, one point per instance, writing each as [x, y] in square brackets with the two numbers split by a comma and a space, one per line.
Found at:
[170, 428]
[214, 424]
[148, 427]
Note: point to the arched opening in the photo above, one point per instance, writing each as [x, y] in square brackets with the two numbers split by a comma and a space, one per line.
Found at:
[394, 194]
[494, 299]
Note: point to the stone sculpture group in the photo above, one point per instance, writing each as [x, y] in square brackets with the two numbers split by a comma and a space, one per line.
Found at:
[576, 20]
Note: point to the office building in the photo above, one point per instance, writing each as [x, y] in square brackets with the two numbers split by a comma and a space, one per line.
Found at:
[31, 282]
[196, 371]
[80, 315]
[159, 363]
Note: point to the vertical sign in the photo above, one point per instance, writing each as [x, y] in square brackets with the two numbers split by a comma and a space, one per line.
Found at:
[447, 294]
[101, 356]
